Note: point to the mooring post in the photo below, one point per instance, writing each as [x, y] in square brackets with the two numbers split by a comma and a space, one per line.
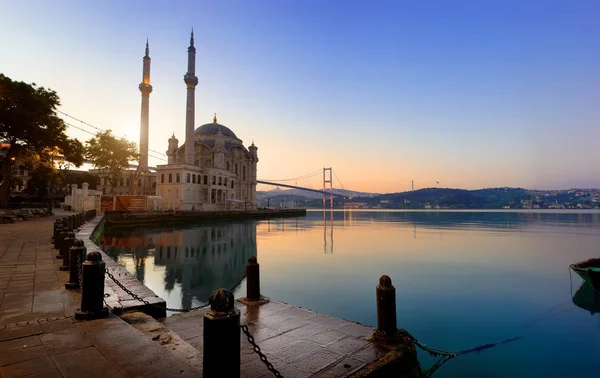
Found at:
[92, 292]
[387, 330]
[61, 240]
[56, 225]
[221, 336]
[64, 251]
[59, 229]
[70, 223]
[76, 256]
[252, 280]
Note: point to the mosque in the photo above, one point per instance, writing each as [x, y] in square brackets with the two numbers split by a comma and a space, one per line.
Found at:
[210, 171]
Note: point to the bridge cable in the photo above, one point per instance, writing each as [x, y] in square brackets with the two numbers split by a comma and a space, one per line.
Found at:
[93, 127]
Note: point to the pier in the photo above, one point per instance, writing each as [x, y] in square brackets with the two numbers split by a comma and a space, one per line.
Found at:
[42, 330]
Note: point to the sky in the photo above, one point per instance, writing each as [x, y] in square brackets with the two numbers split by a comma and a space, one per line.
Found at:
[457, 94]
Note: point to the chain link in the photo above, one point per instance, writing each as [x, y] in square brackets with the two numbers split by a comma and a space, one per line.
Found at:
[43, 320]
[256, 348]
[137, 297]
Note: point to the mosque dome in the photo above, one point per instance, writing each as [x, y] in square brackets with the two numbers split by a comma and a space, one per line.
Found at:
[214, 128]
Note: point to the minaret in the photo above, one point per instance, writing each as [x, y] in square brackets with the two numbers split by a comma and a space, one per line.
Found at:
[191, 81]
[146, 89]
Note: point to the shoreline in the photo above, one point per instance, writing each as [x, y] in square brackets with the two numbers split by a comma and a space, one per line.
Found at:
[127, 219]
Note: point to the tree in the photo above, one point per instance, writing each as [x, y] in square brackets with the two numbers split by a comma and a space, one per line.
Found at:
[29, 124]
[110, 155]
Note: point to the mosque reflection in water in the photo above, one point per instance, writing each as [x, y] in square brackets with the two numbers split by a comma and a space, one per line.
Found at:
[194, 261]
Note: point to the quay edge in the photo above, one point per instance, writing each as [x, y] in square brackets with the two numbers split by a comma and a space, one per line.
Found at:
[129, 218]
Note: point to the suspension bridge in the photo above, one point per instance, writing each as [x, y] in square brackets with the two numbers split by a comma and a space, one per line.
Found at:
[327, 190]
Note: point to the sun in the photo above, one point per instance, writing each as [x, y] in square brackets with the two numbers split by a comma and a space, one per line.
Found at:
[131, 131]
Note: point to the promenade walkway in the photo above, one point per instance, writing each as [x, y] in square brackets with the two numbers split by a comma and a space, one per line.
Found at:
[39, 336]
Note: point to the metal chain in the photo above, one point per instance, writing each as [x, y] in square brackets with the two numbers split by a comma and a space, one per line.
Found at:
[43, 320]
[256, 348]
[135, 296]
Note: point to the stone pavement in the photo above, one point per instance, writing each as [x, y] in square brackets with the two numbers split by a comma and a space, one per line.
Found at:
[298, 342]
[38, 335]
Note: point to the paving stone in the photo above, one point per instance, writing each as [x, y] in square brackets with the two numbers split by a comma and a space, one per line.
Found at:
[56, 325]
[26, 368]
[369, 352]
[296, 351]
[63, 341]
[96, 365]
[347, 345]
[10, 333]
[325, 337]
[342, 368]
[357, 330]
[318, 360]
[23, 354]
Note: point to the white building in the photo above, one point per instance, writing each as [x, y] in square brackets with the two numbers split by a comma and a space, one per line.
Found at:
[212, 170]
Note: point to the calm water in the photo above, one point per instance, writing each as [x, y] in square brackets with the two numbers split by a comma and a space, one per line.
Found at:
[462, 279]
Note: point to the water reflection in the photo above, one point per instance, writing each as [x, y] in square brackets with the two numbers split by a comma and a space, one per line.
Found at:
[587, 298]
[325, 228]
[193, 262]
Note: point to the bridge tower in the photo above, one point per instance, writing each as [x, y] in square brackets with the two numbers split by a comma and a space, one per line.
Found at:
[330, 182]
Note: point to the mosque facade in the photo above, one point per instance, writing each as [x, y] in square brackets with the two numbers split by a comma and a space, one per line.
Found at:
[211, 170]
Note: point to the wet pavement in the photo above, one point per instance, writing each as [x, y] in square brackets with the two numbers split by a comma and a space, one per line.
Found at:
[298, 342]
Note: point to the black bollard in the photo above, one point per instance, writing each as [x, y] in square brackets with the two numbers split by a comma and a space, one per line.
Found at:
[57, 232]
[56, 225]
[387, 330]
[61, 239]
[221, 336]
[252, 280]
[76, 255]
[92, 293]
[64, 251]
[81, 219]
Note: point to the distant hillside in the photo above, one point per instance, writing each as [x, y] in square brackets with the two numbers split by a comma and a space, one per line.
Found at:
[444, 198]
[458, 198]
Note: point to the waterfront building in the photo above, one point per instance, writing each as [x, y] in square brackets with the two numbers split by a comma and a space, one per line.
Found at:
[212, 170]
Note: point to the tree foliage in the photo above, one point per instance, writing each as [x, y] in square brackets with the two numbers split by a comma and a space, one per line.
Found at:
[28, 122]
[110, 155]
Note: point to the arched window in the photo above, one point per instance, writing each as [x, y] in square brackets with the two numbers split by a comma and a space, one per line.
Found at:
[177, 177]
[170, 177]
[244, 173]
[197, 162]
[236, 168]
[231, 184]
[227, 165]
[220, 180]
[187, 178]
[205, 180]
[162, 178]
[214, 180]
[193, 179]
